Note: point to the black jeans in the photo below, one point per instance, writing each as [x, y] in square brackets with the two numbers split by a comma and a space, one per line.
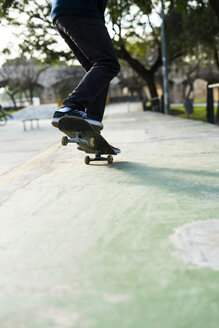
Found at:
[89, 40]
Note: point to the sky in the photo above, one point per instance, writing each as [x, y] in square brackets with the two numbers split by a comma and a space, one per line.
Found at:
[6, 35]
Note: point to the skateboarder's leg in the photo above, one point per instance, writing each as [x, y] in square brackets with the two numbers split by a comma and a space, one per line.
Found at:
[95, 109]
[85, 63]
[93, 40]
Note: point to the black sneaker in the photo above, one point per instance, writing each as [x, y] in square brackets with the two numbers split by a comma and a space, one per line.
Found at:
[67, 111]
[96, 124]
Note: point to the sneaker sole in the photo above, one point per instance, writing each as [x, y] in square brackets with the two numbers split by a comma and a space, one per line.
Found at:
[98, 126]
[55, 121]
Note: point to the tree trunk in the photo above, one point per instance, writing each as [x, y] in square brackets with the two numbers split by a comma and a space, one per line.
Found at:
[12, 99]
[149, 78]
[31, 94]
[147, 75]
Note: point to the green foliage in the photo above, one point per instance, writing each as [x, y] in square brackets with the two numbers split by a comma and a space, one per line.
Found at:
[145, 5]
[8, 5]
[192, 28]
[40, 35]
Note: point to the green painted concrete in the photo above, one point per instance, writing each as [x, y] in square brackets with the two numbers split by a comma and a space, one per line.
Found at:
[89, 246]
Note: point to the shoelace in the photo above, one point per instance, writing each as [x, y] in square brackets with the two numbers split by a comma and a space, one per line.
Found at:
[80, 113]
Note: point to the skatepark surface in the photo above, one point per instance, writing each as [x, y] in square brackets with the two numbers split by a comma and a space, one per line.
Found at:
[134, 244]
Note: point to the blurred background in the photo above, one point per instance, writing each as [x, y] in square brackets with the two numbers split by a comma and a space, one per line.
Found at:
[36, 66]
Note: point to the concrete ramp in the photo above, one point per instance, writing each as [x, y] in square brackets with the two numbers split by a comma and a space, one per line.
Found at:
[89, 246]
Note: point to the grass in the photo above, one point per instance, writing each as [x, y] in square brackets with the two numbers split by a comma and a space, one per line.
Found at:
[199, 113]
[200, 101]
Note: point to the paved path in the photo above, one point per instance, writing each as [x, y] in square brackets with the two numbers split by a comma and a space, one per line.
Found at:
[18, 146]
[100, 246]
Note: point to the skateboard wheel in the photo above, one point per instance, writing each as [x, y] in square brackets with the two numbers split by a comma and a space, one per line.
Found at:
[110, 159]
[91, 143]
[87, 160]
[64, 141]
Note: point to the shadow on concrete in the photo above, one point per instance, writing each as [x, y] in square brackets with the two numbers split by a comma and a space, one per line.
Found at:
[192, 182]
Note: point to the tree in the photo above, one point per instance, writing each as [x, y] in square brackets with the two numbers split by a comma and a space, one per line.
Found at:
[5, 5]
[21, 76]
[192, 32]
[130, 45]
[39, 38]
[192, 29]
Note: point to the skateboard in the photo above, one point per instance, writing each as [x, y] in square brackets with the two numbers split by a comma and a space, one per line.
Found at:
[88, 139]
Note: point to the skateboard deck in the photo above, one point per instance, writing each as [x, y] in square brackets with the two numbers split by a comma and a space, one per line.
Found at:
[90, 141]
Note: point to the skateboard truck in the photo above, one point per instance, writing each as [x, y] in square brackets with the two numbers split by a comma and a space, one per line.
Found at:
[98, 158]
[90, 143]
